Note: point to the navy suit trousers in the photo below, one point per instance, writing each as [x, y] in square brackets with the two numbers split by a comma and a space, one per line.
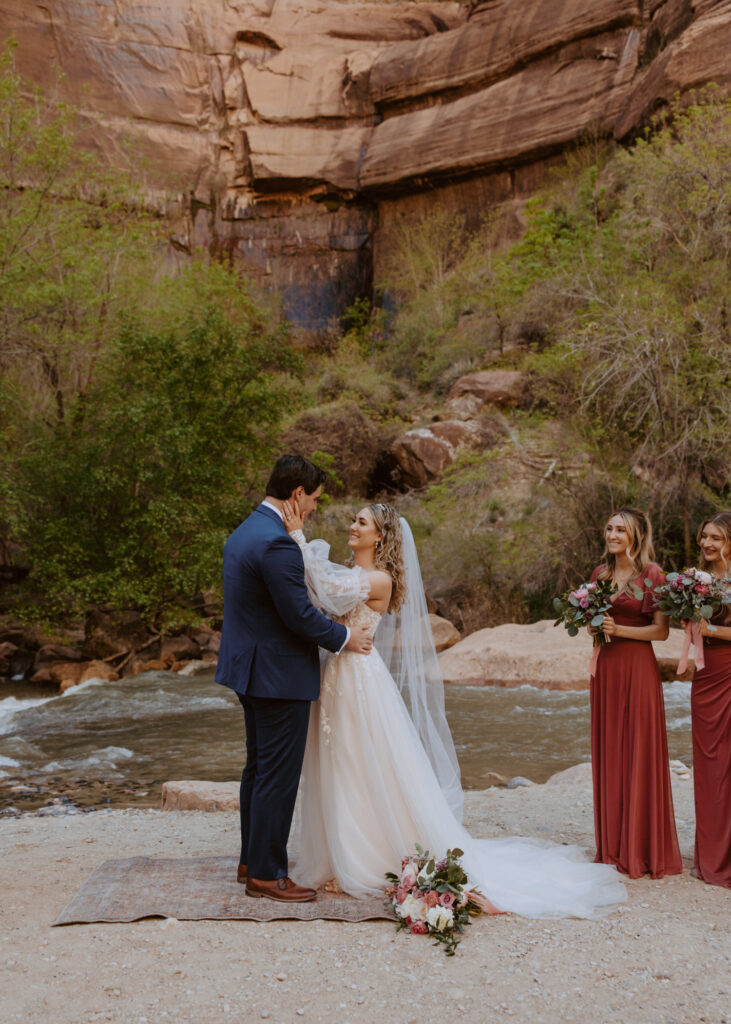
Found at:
[276, 735]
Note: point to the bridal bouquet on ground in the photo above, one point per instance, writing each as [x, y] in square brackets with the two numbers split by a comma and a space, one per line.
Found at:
[692, 595]
[585, 606]
[433, 897]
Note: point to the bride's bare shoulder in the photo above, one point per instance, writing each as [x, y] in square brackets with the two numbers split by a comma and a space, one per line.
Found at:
[381, 583]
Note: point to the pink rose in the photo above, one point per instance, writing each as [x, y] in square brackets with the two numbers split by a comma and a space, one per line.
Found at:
[581, 592]
[701, 588]
[432, 898]
[418, 928]
[447, 899]
[408, 875]
[401, 893]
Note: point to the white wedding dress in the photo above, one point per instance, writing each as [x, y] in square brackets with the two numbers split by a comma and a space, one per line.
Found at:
[369, 791]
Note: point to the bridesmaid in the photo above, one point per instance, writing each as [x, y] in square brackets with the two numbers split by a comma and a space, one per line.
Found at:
[710, 701]
[633, 803]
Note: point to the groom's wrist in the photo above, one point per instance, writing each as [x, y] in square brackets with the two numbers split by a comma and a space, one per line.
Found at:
[345, 642]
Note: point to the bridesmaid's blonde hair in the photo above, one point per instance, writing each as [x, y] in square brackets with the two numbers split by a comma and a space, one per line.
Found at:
[722, 520]
[640, 550]
[389, 551]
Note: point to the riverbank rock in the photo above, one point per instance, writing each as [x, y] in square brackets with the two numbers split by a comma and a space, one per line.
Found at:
[577, 774]
[445, 634]
[50, 653]
[470, 394]
[179, 648]
[536, 654]
[65, 674]
[192, 795]
[110, 632]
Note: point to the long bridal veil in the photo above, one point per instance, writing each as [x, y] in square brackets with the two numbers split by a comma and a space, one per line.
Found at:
[405, 643]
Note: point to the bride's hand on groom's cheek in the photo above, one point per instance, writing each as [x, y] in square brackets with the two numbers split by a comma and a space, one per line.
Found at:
[293, 518]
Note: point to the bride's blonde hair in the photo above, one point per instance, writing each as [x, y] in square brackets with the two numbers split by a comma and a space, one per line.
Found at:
[389, 551]
[640, 550]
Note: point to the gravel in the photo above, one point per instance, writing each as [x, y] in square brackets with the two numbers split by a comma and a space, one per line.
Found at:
[663, 958]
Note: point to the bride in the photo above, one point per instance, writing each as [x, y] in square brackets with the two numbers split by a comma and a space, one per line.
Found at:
[380, 770]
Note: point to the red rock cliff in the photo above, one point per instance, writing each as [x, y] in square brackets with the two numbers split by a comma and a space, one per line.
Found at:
[297, 130]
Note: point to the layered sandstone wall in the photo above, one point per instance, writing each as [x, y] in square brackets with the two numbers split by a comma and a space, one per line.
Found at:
[295, 131]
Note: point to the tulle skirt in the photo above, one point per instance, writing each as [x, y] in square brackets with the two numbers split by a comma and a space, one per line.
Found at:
[369, 794]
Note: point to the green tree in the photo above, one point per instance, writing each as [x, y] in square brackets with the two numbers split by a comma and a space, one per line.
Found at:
[75, 250]
[131, 503]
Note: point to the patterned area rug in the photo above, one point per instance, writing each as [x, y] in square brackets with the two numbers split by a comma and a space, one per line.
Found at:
[199, 889]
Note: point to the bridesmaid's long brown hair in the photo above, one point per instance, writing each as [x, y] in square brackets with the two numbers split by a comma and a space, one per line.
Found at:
[640, 551]
[722, 520]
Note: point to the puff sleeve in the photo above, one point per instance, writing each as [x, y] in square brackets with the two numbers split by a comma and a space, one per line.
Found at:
[333, 588]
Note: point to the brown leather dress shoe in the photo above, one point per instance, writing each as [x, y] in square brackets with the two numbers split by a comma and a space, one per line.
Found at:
[241, 874]
[282, 889]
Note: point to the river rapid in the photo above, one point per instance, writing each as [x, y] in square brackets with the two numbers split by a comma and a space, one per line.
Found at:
[114, 744]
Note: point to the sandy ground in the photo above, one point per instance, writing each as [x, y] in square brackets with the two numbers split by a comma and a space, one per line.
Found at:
[663, 957]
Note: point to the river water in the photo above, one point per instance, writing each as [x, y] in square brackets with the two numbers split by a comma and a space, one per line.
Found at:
[114, 744]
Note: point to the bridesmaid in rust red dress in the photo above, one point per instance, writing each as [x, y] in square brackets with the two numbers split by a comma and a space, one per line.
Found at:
[710, 702]
[633, 803]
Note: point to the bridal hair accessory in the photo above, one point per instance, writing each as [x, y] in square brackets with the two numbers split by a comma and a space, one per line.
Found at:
[433, 897]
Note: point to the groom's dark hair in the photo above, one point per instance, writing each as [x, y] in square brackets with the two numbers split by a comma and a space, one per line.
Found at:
[291, 472]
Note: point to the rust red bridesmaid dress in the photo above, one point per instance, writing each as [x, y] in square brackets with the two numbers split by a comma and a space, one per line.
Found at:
[710, 702]
[633, 802]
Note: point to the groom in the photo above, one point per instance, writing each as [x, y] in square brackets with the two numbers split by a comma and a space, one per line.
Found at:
[268, 656]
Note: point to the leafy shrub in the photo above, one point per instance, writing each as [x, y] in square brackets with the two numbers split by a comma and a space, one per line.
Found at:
[130, 498]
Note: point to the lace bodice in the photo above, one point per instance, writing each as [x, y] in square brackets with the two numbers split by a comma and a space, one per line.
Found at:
[361, 615]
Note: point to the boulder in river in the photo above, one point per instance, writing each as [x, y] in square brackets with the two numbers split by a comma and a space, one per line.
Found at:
[445, 634]
[536, 654]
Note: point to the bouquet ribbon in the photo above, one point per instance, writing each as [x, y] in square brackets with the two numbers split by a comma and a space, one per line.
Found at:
[594, 660]
[693, 636]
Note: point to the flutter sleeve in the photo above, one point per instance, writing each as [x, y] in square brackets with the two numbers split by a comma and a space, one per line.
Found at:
[333, 588]
[656, 576]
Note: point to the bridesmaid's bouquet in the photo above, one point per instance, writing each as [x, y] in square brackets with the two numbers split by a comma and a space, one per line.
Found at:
[692, 595]
[585, 606]
[432, 897]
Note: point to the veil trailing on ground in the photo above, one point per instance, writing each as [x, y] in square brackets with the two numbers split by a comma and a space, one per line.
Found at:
[404, 640]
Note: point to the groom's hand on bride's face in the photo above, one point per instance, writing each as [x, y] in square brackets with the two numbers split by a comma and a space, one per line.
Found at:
[360, 641]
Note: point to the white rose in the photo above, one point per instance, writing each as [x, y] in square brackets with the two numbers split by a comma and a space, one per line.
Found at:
[413, 908]
[703, 577]
[440, 918]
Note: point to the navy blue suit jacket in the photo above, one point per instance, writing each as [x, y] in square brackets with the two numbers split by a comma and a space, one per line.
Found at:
[271, 630]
